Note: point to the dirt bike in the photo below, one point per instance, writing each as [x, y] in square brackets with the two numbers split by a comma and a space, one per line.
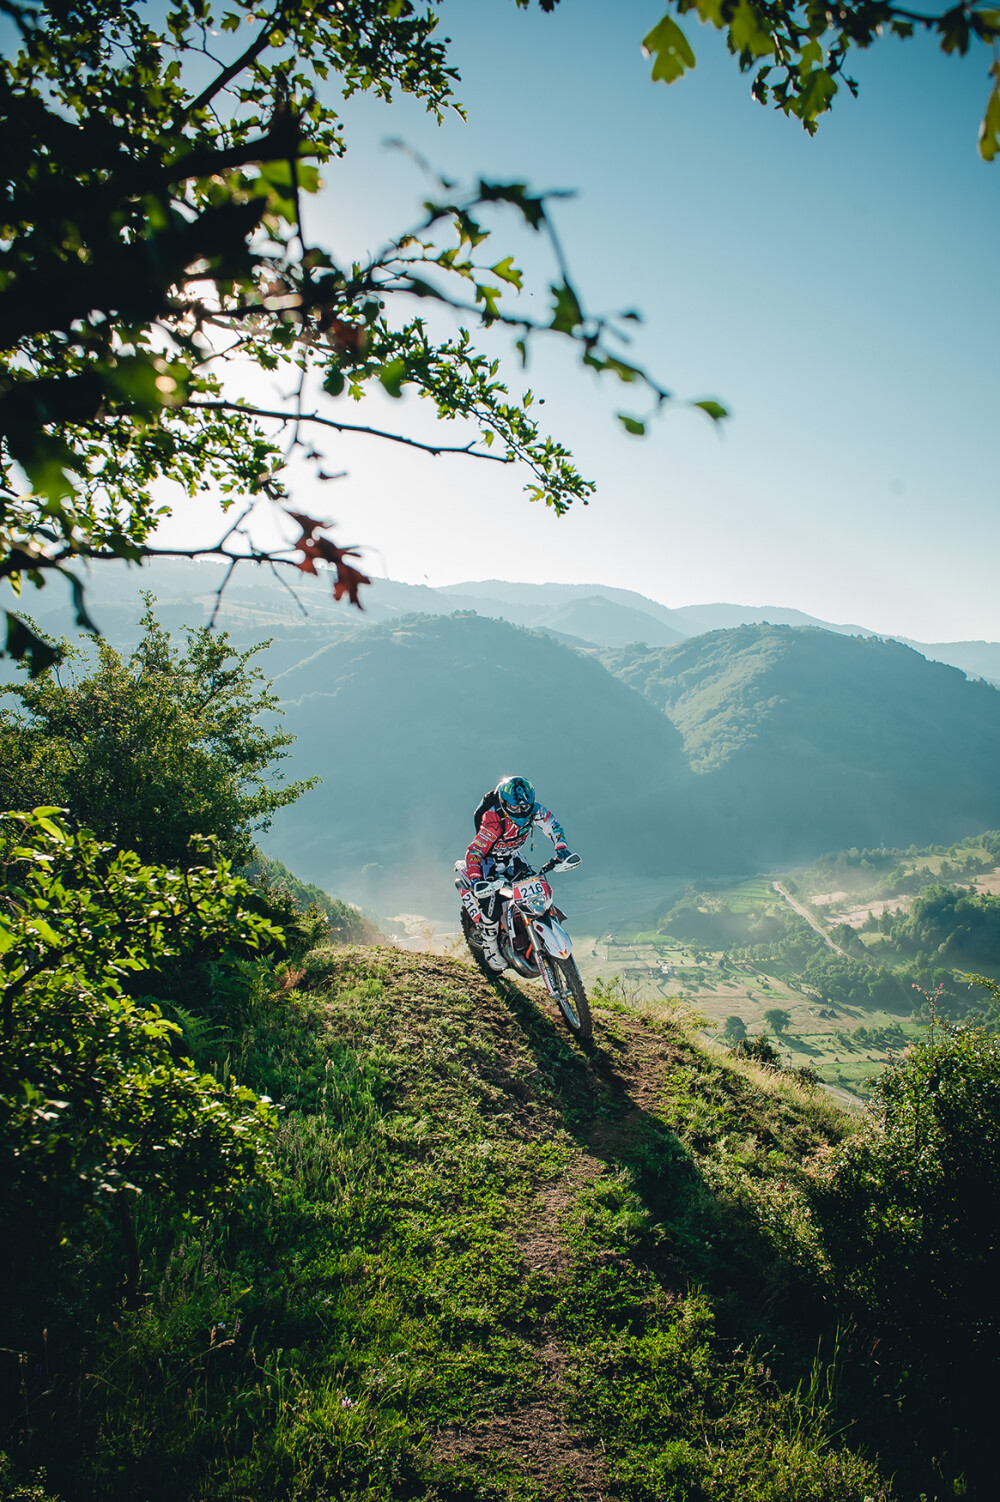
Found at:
[531, 939]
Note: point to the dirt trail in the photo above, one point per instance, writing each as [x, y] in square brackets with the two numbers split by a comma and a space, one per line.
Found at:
[631, 1057]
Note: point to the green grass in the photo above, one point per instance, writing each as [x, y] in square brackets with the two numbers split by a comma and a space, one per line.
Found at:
[476, 1219]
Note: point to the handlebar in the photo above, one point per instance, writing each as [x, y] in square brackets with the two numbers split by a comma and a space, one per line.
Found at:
[499, 883]
[554, 864]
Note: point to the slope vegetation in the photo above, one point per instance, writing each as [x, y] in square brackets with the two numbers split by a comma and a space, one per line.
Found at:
[498, 1268]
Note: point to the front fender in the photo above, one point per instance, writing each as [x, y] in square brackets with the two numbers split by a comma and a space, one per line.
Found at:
[555, 938]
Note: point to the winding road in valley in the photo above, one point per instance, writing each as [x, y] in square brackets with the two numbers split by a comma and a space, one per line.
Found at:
[813, 922]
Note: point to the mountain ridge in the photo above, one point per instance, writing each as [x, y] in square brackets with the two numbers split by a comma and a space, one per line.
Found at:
[187, 593]
[741, 749]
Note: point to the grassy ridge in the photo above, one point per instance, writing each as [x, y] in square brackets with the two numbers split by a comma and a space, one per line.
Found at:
[496, 1268]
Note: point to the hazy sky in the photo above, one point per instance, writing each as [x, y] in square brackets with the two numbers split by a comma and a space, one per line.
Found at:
[839, 293]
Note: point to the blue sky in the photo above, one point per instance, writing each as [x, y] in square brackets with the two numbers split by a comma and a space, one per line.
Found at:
[839, 293]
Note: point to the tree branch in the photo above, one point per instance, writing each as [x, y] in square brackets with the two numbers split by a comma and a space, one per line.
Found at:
[244, 60]
[347, 427]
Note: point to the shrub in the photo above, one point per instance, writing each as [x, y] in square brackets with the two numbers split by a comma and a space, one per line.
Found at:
[151, 750]
[913, 1226]
[759, 1048]
[95, 1108]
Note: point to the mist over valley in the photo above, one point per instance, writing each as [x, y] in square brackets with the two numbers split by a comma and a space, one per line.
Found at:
[724, 739]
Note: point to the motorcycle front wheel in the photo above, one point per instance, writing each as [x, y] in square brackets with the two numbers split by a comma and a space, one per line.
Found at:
[573, 998]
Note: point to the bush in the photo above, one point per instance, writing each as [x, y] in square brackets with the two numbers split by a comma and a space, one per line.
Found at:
[95, 1108]
[152, 750]
[759, 1048]
[913, 1227]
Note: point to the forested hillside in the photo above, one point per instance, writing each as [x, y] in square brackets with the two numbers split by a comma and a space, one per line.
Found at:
[769, 745]
[732, 751]
[812, 740]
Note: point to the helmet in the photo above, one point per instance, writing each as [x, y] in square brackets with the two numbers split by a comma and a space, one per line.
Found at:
[516, 798]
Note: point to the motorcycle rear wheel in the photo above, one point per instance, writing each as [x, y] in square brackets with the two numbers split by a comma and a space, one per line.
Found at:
[573, 1001]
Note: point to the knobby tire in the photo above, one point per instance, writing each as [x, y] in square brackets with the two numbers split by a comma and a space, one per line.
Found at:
[476, 949]
[575, 1008]
[577, 1011]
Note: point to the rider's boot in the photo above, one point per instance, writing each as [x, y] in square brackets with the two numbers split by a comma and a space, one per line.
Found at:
[491, 949]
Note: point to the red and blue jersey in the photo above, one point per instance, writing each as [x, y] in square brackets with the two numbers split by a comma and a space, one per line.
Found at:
[499, 838]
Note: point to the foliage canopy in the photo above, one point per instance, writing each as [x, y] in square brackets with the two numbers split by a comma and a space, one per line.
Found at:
[94, 1103]
[913, 1224]
[152, 751]
[799, 49]
[153, 246]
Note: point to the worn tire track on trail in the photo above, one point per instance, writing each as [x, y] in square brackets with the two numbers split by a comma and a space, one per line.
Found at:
[628, 1059]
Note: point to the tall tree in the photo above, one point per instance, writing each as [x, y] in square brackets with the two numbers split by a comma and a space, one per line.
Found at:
[154, 750]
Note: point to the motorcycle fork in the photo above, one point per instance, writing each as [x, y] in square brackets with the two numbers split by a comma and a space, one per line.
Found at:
[529, 953]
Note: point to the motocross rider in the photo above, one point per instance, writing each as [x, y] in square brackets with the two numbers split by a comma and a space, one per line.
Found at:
[504, 820]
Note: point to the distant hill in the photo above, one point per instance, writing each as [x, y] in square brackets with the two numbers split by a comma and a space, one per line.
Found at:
[757, 745]
[408, 722]
[535, 600]
[600, 621]
[812, 740]
[532, 602]
[694, 620]
[980, 659]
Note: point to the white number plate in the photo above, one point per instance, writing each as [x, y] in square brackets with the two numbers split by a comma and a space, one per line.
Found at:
[528, 889]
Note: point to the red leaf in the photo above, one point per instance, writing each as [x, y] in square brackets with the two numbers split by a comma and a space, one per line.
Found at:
[349, 339]
[349, 578]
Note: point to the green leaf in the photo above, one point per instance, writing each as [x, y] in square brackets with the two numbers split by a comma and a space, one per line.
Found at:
[708, 10]
[817, 91]
[392, 375]
[670, 49]
[490, 296]
[508, 272]
[749, 33]
[989, 130]
[50, 826]
[715, 410]
[810, 57]
[632, 425]
[517, 194]
[44, 931]
[567, 314]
